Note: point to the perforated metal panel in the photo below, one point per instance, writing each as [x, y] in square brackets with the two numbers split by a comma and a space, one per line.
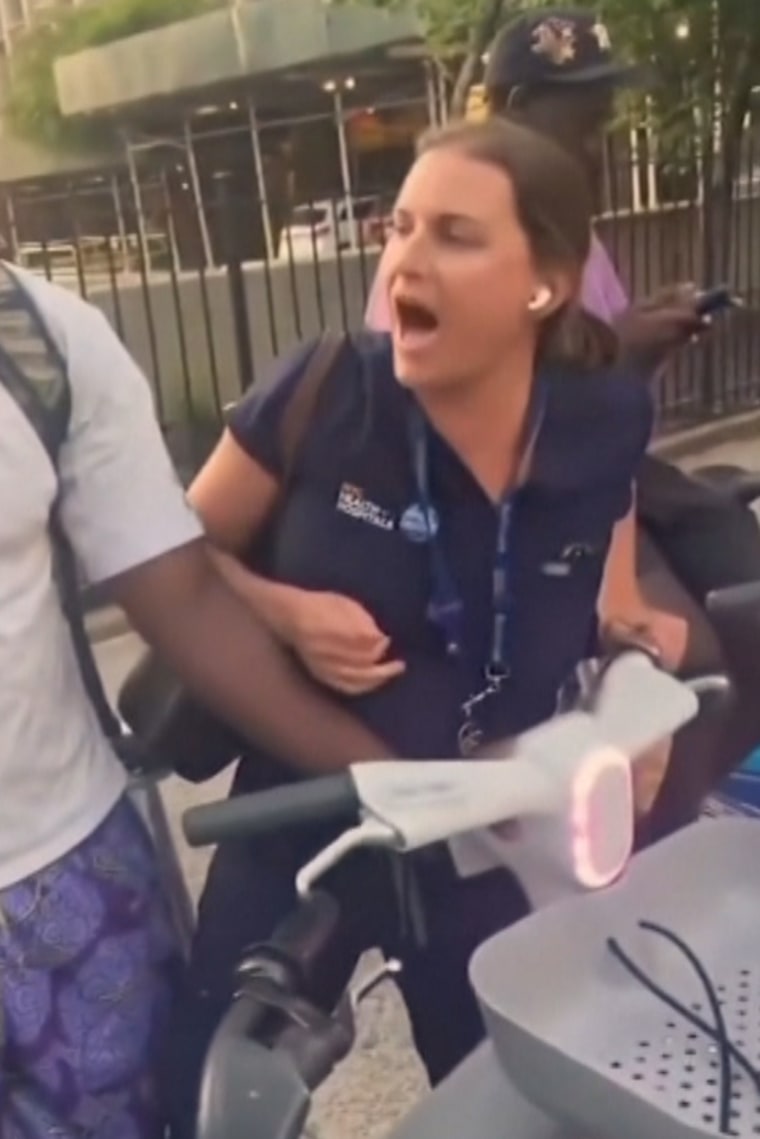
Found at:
[679, 1067]
[594, 1048]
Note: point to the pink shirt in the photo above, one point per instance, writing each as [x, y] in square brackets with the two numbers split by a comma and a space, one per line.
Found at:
[602, 291]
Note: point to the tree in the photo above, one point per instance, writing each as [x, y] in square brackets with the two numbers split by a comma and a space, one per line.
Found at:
[458, 33]
[482, 31]
[704, 55]
[33, 100]
[705, 60]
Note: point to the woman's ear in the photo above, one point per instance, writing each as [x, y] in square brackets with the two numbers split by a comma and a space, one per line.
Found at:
[551, 294]
[540, 303]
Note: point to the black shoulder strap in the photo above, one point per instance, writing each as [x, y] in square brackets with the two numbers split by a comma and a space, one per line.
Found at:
[302, 408]
[34, 373]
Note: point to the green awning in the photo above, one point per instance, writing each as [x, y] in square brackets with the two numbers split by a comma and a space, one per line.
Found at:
[24, 161]
[248, 41]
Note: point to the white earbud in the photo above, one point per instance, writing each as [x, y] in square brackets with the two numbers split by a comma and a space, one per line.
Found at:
[541, 298]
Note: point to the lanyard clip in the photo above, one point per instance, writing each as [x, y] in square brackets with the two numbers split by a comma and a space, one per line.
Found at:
[496, 674]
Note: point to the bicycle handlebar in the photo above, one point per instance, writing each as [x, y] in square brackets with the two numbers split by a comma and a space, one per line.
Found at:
[327, 799]
[338, 798]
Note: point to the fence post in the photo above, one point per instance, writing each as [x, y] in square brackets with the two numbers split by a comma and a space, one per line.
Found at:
[236, 279]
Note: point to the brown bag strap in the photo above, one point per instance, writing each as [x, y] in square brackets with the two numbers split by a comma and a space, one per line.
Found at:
[302, 407]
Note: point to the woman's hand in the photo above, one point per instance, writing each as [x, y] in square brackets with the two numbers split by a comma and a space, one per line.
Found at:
[664, 634]
[337, 640]
[670, 633]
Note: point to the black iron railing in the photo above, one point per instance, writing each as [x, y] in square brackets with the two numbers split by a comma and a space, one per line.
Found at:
[205, 328]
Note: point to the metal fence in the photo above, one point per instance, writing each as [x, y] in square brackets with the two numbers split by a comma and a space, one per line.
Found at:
[205, 323]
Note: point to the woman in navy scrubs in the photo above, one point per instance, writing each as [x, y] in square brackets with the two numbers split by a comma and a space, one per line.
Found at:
[439, 554]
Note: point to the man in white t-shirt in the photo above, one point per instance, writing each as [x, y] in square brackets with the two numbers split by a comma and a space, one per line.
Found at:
[86, 951]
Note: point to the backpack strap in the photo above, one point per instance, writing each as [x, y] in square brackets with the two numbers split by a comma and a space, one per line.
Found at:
[33, 371]
[302, 407]
[67, 581]
[35, 374]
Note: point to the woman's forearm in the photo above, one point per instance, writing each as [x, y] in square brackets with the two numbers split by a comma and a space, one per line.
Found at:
[620, 594]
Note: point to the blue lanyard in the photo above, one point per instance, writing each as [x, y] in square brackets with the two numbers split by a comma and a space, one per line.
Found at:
[446, 608]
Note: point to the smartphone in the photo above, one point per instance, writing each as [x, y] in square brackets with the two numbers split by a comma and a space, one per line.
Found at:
[717, 300]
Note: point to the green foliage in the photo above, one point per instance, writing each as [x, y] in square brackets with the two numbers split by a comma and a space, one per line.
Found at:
[447, 23]
[450, 22]
[33, 105]
[705, 60]
[686, 66]
[695, 48]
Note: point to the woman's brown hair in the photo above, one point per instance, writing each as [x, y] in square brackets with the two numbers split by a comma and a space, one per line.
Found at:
[554, 207]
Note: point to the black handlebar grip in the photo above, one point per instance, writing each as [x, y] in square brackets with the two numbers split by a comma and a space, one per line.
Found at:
[332, 797]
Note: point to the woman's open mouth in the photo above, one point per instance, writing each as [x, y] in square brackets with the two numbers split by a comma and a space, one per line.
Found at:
[414, 325]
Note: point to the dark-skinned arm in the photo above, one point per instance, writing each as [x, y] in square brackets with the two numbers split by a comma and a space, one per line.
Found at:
[127, 519]
[181, 605]
[653, 328]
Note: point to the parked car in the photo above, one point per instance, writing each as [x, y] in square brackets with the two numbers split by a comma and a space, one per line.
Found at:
[324, 227]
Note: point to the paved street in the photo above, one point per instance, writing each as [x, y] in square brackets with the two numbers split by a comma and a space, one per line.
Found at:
[382, 1078]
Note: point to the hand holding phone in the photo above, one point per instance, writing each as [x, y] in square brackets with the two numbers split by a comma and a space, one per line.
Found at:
[670, 319]
[716, 300]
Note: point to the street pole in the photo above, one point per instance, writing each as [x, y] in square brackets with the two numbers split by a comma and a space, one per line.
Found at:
[261, 182]
[134, 179]
[195, 183]
[345, 163]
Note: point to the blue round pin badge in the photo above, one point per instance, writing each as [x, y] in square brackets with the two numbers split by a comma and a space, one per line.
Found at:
[418, 524]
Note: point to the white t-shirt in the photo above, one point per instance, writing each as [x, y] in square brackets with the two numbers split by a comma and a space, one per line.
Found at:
[122, 505]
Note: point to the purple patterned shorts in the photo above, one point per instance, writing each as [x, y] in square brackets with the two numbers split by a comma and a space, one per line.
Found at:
[88, 962]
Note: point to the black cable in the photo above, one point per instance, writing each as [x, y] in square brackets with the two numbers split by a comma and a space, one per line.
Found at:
[719, 1033]
[662, 994]
[717, 1012]
[715, 1034]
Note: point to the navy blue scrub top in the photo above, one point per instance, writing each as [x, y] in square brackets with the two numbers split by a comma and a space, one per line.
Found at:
[339, 531]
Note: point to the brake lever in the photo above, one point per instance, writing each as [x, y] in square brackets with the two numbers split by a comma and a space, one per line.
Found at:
[274, 997]
[317, 1047]
[315, 1041]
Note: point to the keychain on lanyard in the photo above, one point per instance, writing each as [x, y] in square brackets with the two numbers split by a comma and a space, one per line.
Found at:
[497, 671]
[446, 608]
